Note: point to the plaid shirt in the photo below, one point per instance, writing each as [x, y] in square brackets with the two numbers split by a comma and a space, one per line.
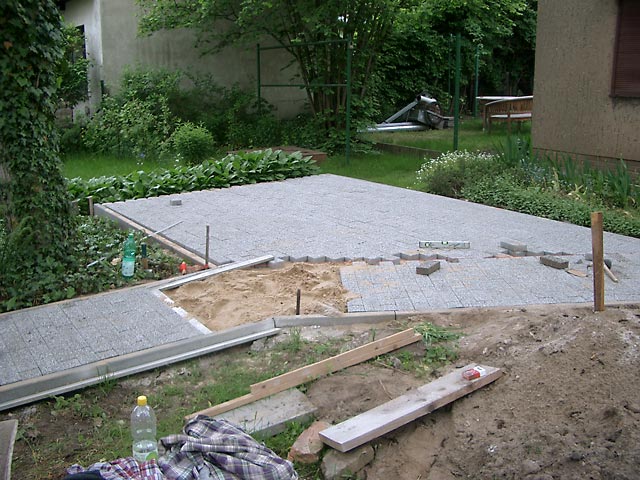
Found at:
[218, 450]
[122, 469]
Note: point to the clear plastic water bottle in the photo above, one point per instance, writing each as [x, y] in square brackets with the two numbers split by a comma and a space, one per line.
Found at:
[129, 257]
[143, 431]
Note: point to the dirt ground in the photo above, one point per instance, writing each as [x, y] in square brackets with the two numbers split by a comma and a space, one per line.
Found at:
[567, 406]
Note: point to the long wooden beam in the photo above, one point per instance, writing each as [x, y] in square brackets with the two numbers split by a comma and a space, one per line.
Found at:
[383, 419]
[311, 372]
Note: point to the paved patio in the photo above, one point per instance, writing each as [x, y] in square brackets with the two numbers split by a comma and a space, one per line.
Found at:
[316, 218]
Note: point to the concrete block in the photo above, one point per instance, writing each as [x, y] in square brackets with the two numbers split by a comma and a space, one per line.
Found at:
[607, 261]
[410, 256]
[276, 263]
[555, 262]
[316, 259]
[307, 447]
[394, 260]
[427, 268]
[269, 416]
[373, 261]
[513, 246]
[424, 257]
[337, 465]
[298, 259]
[337, 259]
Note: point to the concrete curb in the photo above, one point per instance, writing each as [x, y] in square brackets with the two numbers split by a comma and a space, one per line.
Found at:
[182, 252]
[33, 389]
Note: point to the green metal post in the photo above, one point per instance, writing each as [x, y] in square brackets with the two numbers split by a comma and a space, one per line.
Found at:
[348, 125]
[477, 82]
[456, 97]
[259, 82]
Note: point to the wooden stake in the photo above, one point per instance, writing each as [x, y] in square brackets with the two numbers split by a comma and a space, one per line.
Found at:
[206, 250]
[91, 212]
[298, 302]
[597, 249]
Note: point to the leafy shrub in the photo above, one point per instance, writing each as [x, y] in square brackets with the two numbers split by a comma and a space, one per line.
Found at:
[506, 192]
[192, 142]
[449, 173]
[234, 169]
[51, 280]
[71, 136]
[129, 128]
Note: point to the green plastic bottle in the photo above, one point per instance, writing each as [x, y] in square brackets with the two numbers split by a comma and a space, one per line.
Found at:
[129, 257]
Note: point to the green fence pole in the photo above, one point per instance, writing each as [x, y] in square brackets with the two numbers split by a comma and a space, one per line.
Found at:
[348, 125]
[259, 82]
[477, 82]
[456, 98]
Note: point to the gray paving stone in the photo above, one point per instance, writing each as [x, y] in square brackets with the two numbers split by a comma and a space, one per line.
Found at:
[335, 217]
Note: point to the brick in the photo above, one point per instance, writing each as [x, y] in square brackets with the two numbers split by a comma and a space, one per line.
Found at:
[513, 246]
[555, 262]
[307, 447]
[427, 268]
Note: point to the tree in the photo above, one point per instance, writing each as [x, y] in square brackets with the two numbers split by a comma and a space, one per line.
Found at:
[33, 197]
[288, 22]
[418, 54]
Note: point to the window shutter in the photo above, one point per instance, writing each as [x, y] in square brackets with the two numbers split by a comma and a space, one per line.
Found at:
[626, 66]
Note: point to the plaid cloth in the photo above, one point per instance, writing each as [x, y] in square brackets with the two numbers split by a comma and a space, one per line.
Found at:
[122, 469]
[218, 450]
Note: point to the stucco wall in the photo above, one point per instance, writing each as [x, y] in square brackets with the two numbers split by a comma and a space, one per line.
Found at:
[573, 112]
[87, 13]
[121, 47]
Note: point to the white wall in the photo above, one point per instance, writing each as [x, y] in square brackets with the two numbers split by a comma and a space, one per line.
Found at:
[87, 13]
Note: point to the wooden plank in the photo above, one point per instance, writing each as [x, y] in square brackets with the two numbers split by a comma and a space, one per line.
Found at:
[338, 362]
[216, 271]
[378, 421]
[310, 372]
[8, 429]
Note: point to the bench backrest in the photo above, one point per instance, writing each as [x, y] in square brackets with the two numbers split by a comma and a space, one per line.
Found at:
[511, 105]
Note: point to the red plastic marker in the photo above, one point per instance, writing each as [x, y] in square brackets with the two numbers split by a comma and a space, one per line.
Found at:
[183, 268]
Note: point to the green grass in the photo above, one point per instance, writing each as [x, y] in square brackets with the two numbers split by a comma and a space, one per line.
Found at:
[390, 169]
[91, 165]
[470, 137]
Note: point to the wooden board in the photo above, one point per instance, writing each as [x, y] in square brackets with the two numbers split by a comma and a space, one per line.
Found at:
[372, 424]
[310, 372]
[216, 271]
[8, 430]
[338, 362]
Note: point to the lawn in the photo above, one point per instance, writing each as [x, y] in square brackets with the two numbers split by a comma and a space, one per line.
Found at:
[470, 137]
[391, 169]
[91, 165]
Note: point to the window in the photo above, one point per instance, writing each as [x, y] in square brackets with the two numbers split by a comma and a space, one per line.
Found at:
[626, 62]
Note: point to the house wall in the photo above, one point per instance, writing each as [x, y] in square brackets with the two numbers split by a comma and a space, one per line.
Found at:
[121, 47]
[573, 112]
[87, 13]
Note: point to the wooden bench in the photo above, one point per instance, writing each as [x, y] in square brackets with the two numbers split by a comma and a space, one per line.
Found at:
[514, 109]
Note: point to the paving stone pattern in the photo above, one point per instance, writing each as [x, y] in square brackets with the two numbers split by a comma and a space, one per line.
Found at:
[43, 340]
[317, 217]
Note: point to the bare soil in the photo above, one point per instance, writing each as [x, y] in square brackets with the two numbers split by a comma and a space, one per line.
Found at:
[566, 407]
